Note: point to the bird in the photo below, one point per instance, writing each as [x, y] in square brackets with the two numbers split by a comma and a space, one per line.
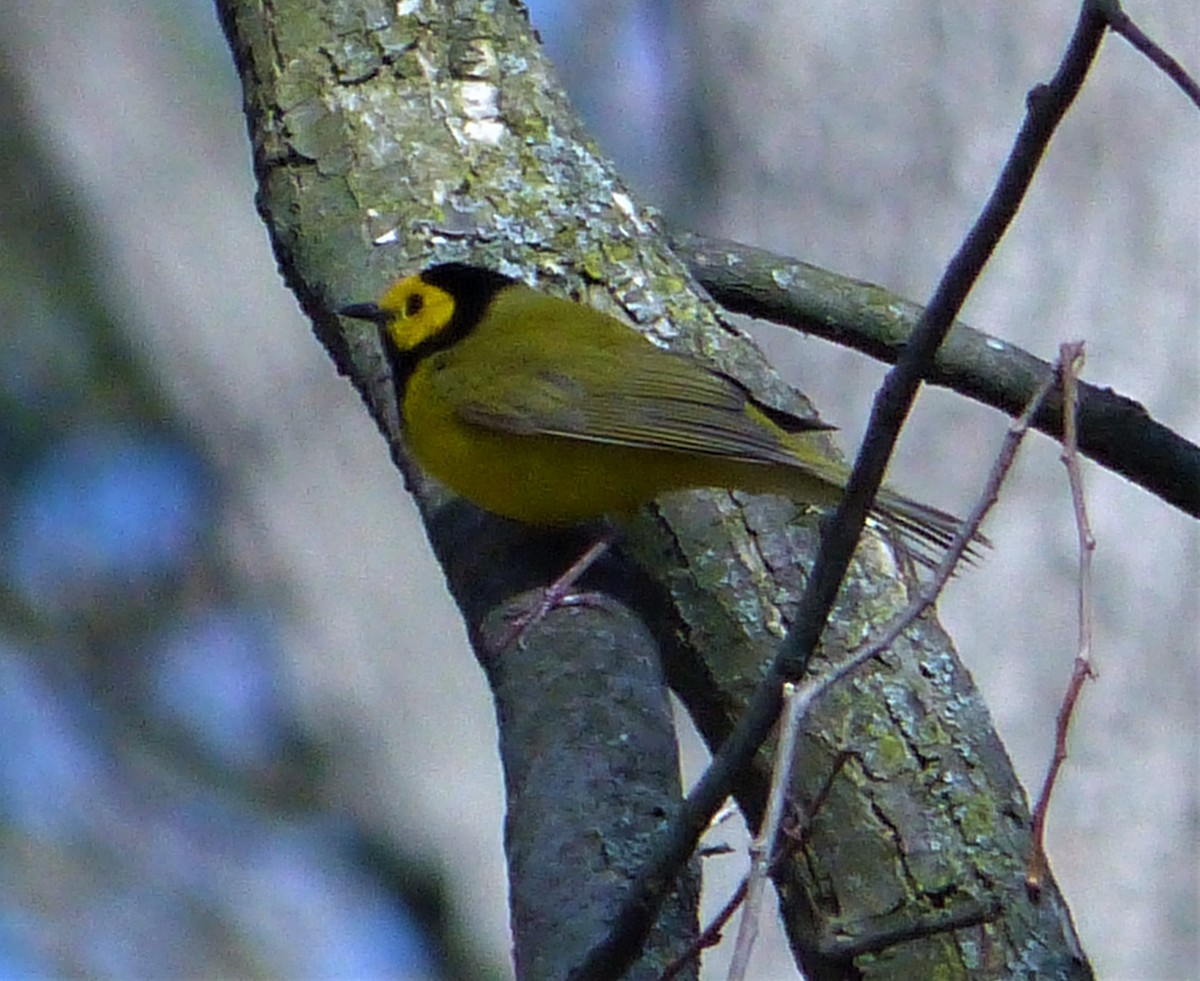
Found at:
[550, 412]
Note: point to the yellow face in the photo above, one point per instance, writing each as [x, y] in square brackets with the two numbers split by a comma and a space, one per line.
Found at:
[416, 311]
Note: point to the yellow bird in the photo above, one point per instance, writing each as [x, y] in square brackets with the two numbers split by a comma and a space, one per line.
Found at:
[551, 412]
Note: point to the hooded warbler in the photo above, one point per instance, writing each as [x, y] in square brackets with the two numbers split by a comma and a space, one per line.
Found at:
[551, 412]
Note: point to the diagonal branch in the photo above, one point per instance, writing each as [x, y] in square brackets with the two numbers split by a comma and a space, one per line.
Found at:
[1121, 24]
[1046, 106]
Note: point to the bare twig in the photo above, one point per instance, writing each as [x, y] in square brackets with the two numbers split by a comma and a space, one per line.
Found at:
[793, 838]
[763, 846]
[1071, 359]
[1046, 106]
[1121, 24]
[798, 700]
[943, 921]
[811, 690]
[709, 937]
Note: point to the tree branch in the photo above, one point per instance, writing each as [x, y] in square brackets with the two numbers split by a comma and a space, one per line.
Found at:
[1120, 23]
[1047, 104]
[440, 134]
[356, 120]
[1115, 431]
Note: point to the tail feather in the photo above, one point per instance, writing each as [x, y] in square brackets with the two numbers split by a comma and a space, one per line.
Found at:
[925, 531]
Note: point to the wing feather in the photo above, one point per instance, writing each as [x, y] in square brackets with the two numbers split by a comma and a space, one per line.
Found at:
[651, 400]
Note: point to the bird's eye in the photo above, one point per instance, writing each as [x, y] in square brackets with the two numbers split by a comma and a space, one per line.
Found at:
[414, 304]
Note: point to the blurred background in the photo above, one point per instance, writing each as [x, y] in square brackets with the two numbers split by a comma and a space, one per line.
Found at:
[237, 709]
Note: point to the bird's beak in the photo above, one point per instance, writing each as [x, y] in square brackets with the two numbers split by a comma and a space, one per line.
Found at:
[365, 311]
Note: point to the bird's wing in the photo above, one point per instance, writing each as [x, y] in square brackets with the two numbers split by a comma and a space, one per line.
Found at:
[651, 399]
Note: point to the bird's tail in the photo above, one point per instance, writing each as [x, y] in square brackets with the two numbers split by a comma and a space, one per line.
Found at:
[925, 531]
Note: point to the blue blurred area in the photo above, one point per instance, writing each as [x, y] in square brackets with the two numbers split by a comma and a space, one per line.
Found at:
[48, 763]
[216, 676]
[105, 508]
[17, 960]
[145, 728]
[156, 817]
[133, 852]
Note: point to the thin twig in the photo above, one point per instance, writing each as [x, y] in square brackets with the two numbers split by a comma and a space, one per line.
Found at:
[811, 690]
[1071, 359]
[1121, 23]
[763, 846]
[798, 700]
[709, 937]
[793, 838]
[1046, 106]
[943, 921]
